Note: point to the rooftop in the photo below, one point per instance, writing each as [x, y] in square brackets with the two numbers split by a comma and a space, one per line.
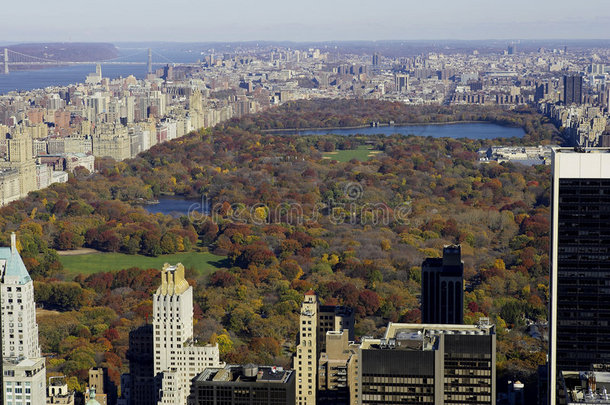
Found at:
[11, 264]
[415, 336]
[245, 374]
[581, 150]
[586, 387]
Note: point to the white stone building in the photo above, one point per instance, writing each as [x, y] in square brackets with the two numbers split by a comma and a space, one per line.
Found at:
[24, 368]
[178, 357]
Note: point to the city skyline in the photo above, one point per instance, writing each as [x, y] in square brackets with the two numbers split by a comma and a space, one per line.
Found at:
[312, 21]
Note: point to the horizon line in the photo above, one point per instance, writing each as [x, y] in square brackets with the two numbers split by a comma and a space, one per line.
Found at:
[16, 42]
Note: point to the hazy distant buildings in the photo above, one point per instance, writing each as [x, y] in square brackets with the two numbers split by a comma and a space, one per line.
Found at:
[443, 288]
[579, 319]
[95, 78]
[375, 60]
[401, 82]
[572, 89]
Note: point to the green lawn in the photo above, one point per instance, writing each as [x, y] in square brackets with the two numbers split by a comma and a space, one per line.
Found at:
[362, 153]
[204, 263]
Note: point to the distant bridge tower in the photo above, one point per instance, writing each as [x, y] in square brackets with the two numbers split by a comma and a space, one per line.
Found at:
[149, 61]
[6, 61]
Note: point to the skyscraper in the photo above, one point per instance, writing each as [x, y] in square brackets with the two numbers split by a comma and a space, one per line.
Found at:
[315, 322]
[305, 360]
[24, 368]
[401, 82]
[572, 90]
[579, 314]
[375, 59]
[443, 287]
[177, 357]
[140, 380]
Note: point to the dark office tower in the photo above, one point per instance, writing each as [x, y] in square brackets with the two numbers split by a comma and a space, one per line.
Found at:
[243, 385]
[141, 366]
[512, 49]
[442, 288]
[375, 59]
[429, 364]
[579, 310]
[572, 90]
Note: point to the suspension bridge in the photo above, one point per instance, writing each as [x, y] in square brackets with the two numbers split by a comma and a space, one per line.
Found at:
[13, 58]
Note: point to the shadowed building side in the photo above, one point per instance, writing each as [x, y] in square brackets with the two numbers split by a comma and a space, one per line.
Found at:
[443, 288]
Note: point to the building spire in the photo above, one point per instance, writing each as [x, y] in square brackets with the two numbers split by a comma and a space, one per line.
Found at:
[13, 243]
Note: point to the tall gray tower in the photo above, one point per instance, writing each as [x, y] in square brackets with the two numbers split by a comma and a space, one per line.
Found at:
[6, 61]
[149, 60]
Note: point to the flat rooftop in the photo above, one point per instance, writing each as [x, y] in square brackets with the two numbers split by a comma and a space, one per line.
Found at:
[586, 387]
[237, 374]
[580, 150]
[421, 336]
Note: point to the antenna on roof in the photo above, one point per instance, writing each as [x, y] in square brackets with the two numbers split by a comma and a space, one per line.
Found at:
[13, 243]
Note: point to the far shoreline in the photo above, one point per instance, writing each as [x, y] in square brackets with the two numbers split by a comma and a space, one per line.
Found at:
[409, 124]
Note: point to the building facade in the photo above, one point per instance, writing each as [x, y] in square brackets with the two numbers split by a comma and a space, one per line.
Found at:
[24, 368]
[315, 322]
[428, 363]
[338, 370]
[572, 89]
[139, 386]
[443, 288]
[579, 316]
[243, 385]
[58, 392]
[177, 356]
[305, 361]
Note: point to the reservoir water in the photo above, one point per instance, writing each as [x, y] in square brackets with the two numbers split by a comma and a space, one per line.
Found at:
[474, 130]
[176, 206]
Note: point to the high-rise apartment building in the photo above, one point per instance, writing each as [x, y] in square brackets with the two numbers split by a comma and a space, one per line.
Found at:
[401, 82]
[305, 360]
[24, 368]
[443, 287]
[572, 89]
[579, 314]
[375, 60]
[314, 323]
[177, 357]
[427, 363]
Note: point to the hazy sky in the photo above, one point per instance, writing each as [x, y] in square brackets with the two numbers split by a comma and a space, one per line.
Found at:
[306, 20]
